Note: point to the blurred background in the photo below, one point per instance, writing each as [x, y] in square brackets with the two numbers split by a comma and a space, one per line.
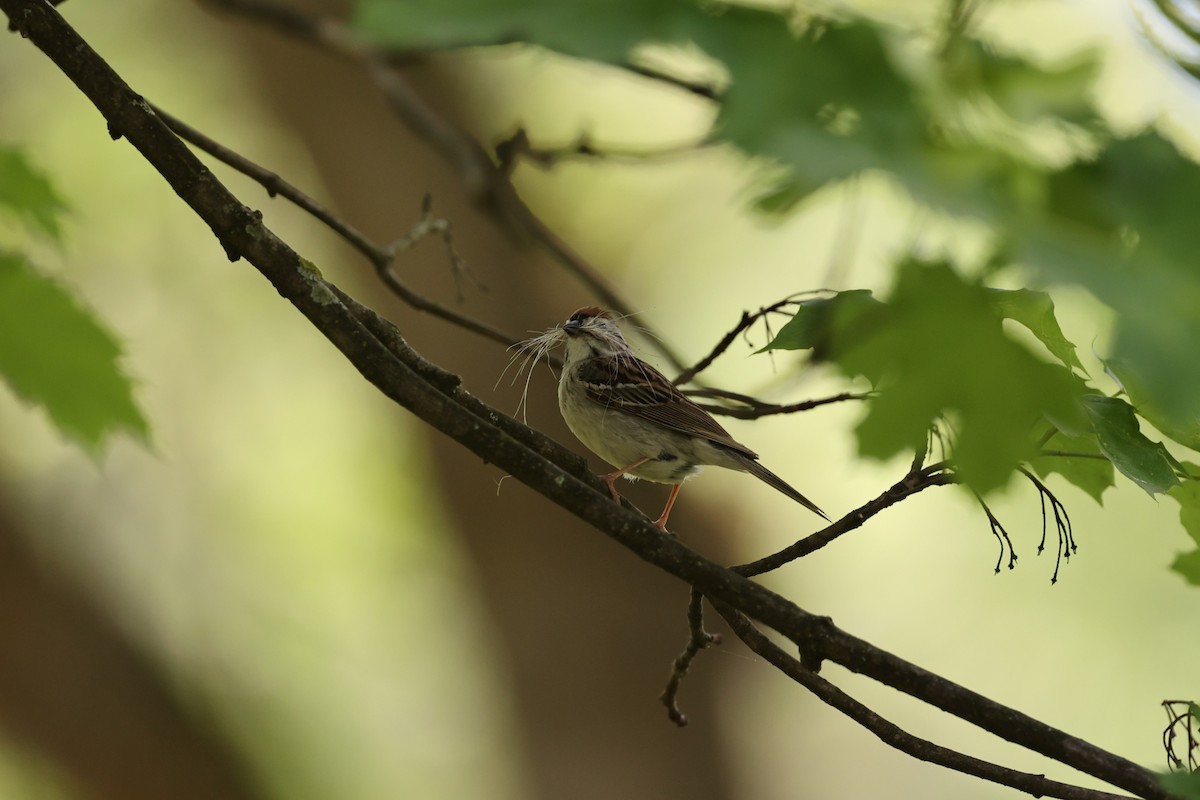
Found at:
[298, 592]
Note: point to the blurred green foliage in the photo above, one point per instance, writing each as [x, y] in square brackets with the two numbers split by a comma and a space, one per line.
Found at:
[28, 195]
[916, 353]
[54, 352]
[963, 129]
[920, 349]
[1188, 495]
[1122, 226]
[824, 100]
[1184, 785]
[1091, 471]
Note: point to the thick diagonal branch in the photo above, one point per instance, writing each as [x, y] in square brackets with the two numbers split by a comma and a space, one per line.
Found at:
[893, 735]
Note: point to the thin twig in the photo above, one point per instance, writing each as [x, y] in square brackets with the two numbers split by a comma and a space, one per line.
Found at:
[758, 408]
[1183, 717]
[1072, 454]
[1047, 436]
[1062, 523]
[748, 319]
[274, 184]
[429, 225]
[698, 639]
[745, 322]
[488, 186]
[912, 483]
[893, 735]
[943, 438]
[1001, 535]
[921, 454]
[381, 258]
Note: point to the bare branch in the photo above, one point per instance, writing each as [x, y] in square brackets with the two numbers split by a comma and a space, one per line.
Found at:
[1001, 536]
[819, 640]
[890, 733]
[1183, 722]
[486, 184]
[745, 322]
[382, 258]
[755, 408]
[429, 225]
[1062, 524]
[698, 639]
[915, 481]
[275, 185]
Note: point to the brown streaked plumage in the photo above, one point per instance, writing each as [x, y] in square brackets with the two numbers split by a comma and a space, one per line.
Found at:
[632, 416]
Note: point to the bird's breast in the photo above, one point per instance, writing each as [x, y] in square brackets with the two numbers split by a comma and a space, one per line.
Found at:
[622, 439]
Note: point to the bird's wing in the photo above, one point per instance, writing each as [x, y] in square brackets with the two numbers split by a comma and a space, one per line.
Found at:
[633, 387]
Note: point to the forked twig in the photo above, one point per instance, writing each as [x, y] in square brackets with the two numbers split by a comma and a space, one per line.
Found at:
[1001, 536]
[1183, 722]
[698, 639]
[428, 225]
[1062, 524]
[381, 257]
[748, 319]
[913, 482]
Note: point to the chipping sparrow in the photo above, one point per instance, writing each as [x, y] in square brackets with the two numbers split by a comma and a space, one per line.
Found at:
[630, 415]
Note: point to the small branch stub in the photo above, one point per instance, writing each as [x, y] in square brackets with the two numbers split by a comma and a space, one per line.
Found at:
[698, 639]
[428, 225]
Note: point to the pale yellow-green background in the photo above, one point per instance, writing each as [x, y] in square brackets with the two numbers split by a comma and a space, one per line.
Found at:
[268, 525]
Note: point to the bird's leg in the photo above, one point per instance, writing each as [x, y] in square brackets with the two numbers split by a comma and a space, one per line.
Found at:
[661, 522]
[610, 480]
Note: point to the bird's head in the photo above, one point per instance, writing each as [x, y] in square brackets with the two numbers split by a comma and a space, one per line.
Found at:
[592, 332]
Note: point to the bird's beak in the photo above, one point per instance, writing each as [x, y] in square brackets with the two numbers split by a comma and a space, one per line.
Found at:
[571, 327]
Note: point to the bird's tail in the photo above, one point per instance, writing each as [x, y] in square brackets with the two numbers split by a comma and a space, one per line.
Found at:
[766, 476]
